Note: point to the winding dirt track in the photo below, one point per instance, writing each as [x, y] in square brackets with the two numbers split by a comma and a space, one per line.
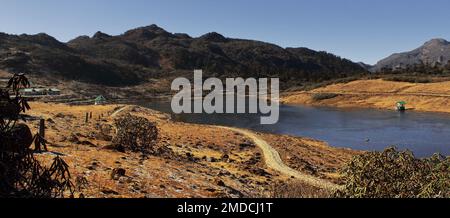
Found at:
[119, 111]
[272, 158]
[273, 161]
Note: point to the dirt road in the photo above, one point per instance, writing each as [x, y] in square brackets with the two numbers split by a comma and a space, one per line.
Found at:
[272, 158]
[273, 161]
[119, 111]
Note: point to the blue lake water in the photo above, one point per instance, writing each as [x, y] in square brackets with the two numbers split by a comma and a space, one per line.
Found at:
[362, 129]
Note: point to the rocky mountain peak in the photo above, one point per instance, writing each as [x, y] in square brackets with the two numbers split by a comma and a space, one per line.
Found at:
[431, 52]
[437, 42]
[214, 37]
[101, 35]
[146, 33]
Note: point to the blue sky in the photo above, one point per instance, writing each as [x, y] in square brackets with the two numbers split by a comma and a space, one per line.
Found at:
[361, 30]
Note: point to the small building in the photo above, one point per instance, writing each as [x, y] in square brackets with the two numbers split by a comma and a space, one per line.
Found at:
[100, 100]
[400, 106]
[33, 92]
[39, 91]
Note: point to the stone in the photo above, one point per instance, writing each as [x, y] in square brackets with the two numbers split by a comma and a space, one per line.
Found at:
[225, 157]
[221, 183]
[109, 192]
[117, 173]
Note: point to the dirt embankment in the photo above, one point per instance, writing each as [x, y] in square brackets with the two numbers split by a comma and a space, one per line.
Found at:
[205, 161]
[432, 97]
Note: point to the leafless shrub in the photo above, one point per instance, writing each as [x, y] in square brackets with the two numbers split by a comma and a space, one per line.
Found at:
[394, 174]
[21, 174]
[136, 134]
[409, 79]
[81, 183]
[324, 96]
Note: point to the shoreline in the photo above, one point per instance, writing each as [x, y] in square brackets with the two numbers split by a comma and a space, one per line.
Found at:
[377, 94]
[350, 107]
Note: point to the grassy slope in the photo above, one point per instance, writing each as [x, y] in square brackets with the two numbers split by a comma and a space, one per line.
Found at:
[380, 94]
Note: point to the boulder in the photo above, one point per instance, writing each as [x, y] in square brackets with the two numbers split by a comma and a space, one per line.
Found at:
[117, 173]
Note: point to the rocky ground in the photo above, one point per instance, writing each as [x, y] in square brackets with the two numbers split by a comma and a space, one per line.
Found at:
[196, 160]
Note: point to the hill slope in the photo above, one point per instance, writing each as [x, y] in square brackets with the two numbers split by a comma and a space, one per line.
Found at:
[380, 94]
[152, 52]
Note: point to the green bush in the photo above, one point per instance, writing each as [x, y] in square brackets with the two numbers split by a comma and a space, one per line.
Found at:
[409, 79]
[324, 96]
[395, 174]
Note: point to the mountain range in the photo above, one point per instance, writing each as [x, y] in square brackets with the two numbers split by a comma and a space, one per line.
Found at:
[151, 52]
[433, 52]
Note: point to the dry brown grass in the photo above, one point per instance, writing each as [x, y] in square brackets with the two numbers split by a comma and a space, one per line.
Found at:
[196, 169]
[4, 74]
[379, 94]
[293, 189]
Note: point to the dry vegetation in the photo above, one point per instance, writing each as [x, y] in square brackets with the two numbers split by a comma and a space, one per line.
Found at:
[295, 189]
[21, 173]
[394, 174]
[379, 94]
[135, 134]
[187, 160]
[323, 96]
[311, 156]
[129, 151]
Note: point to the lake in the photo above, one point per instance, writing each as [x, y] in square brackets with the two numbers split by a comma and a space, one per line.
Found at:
[423, 133]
